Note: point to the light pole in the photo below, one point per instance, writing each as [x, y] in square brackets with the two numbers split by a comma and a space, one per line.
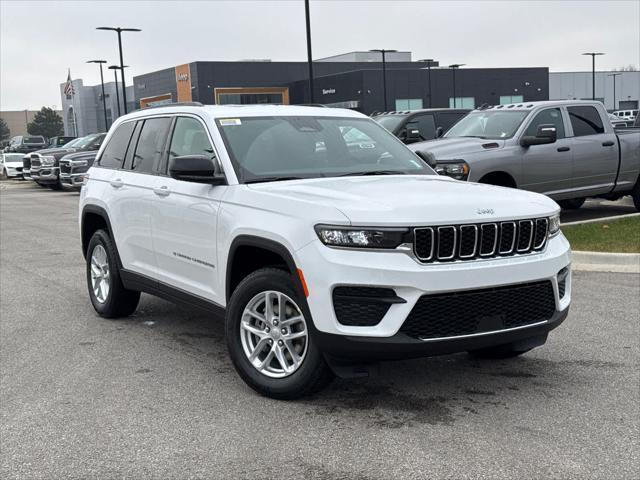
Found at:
[104, 102]
[115, 69]
[384, 73]
[593, 72]
[453, 68]
[309, 56]
[119, 31]
[614, 75]
[430, 63]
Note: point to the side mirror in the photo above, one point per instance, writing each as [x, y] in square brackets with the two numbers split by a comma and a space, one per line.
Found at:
[196, 168]
[428, 158]
[412, 136]
[544, 135]
[439, 132]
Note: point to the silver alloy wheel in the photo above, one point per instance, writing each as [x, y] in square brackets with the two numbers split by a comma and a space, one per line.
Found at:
[274, 334]
[100, 275]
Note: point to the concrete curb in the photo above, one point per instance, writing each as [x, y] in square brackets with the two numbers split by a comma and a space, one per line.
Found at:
[603, 219]
[606, 262]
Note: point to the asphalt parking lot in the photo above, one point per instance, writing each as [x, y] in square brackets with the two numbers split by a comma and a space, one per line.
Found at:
[155, 396]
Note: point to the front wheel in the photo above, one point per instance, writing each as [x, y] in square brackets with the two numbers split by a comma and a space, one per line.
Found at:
[269, 340]
[108, 296]
[572, 204]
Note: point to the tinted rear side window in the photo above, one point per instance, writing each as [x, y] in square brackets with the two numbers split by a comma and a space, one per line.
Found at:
[151, 145]
[448, 120]
[114, 152]
[585, 121]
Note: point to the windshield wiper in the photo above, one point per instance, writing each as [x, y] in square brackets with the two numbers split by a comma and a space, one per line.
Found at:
[473, 136]
[372, 172]
[271, 179]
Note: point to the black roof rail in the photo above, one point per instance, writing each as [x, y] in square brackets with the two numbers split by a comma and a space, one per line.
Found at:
[175, 104]
[311, 105]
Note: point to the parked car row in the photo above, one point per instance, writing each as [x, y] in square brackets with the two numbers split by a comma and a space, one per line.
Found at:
[30, 143]
[57, 167]
[568, 150]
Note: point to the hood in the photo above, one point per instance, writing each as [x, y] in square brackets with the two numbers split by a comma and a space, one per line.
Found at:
[80, 155]
[456, 148]
[412, 200]
[55, 152]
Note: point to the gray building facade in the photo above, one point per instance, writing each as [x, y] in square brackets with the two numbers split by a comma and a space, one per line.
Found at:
[578, 85]
[83, 113]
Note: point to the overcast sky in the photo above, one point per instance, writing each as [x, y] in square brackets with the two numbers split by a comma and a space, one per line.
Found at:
[40, 40]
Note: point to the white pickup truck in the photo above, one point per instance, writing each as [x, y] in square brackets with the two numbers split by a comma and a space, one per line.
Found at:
[325, 241]
[567, 150]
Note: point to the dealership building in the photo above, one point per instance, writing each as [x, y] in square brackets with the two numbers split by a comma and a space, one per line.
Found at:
[83, 112]
[353, 80]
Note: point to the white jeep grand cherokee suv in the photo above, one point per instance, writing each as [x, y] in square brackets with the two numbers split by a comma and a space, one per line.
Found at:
[329, 244]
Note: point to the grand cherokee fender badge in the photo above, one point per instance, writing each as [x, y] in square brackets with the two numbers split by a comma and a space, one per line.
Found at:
[485, 211]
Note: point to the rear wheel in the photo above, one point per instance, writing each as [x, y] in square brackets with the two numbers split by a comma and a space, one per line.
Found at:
[635, 194]
[4, 174]
[572, 204]
[108, 296]
[269, 340]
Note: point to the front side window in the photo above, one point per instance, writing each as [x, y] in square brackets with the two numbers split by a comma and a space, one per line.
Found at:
[492, 124]
[274, 148]
[550, 116]
[390, 122]
[585, 120]
[148, 153]
[115, 151]
[425, 124]
[189, 138]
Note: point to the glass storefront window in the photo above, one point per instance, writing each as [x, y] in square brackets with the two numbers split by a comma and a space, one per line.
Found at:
[507, 99]
[408, 104]
[250, 98]
[462, 102]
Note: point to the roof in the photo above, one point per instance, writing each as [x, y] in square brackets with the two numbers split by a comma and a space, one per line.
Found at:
[527, 106]
[230, 111]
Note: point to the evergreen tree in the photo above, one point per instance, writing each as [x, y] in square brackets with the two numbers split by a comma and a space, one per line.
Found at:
[46, 123]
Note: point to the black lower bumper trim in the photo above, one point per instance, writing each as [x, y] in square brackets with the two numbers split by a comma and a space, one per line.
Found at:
[401, 346]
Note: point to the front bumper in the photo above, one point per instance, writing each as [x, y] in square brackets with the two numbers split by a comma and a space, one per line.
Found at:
[326, 268]
[72, 180]
[13, 172]
[47, 174]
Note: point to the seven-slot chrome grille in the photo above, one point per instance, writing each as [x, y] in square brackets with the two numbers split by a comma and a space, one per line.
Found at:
[481, 240]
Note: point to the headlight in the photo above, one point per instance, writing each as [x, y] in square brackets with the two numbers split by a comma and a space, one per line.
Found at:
[360, 237]
[47, 160]
[554, 225]
[458, 169]
[79, 163]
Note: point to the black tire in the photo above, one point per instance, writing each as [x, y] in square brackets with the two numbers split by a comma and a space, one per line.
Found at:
[311, 376]
[635, 194]
[572, 204]
[119, 302]
[56, 186]
[43, 185]
[4, 175]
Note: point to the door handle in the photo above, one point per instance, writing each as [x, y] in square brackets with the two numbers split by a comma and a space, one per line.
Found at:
[117, 183]
[608, 144]
[564, 149]
[162, 191]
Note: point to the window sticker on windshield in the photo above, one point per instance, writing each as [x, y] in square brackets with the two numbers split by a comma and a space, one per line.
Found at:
[225, 122]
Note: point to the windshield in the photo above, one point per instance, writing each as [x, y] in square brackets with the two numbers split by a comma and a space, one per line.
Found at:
[13, 157]
[73, 143]
[33, 139]
[279, 148]
[390, 122]
[86, 141]
[488, 124]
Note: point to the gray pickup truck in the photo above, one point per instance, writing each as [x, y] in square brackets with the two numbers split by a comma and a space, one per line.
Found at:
[567, 150]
